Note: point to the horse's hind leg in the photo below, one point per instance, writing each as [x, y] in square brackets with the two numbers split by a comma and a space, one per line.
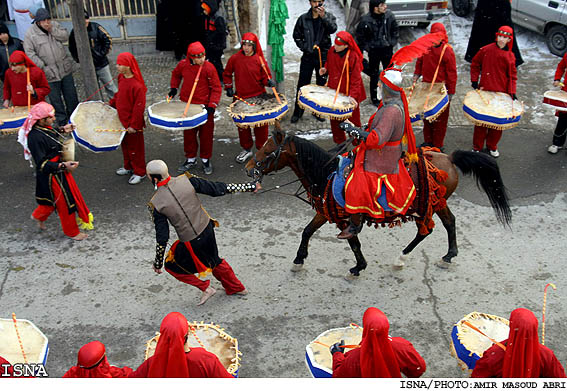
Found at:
[448, 220]
[308, 231]
[354, 244]
[413, 244]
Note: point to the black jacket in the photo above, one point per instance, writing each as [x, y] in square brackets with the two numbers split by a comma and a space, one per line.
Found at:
[215, 31]
[377, 31]
[305, 36]
[5, 51]
[100, 45]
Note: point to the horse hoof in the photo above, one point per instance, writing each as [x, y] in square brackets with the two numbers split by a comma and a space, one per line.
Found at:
[297, 267]
[443, 264]
[351, 277]
[401, 261]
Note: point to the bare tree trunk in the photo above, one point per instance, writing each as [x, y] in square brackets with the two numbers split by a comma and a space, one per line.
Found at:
[84, 49]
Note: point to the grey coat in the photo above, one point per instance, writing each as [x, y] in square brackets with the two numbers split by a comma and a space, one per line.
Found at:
[48, 52]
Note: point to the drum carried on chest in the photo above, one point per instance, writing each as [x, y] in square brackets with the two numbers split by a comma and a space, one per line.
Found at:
[98, 127]
[426, 102]
[468, 345]
[320, 100]
[68, 150]
[35, 344]
[258, 110]
[11, 119]
[169, 115]
[556, 99]
[318, 356]
[496, 110]
[212, 338]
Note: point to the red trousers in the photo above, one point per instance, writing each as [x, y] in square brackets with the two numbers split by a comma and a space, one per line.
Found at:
[245, 136]
[339, 134]
[223, 272]
[434, 132]
[492, 136]
[68, 221]
[134, 153]
[191, 145]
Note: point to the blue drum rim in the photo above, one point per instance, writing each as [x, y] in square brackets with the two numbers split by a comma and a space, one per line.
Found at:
[253, 118]
[189, 123]
[491, 119]
[463, 353]
[434, 110]
[315, 370]
[322, 109]
[15, 123]
[93, 148]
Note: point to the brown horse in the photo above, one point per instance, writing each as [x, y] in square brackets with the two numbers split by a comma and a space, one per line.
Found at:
[313, 165]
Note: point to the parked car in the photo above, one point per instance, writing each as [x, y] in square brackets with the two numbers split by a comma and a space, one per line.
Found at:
[546, 17]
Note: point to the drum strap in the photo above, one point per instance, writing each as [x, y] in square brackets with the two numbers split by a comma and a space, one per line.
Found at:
[435, 76]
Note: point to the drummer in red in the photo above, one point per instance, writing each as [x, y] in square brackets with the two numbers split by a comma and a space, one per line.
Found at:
[251, 76]
[560, 134]
[344, 51]
[92, 362]
[173, 358]
[439, 64]
[207, 92]
[495, 64]
[130, 102]
[16, 85]
[524, 355]
[379, 355]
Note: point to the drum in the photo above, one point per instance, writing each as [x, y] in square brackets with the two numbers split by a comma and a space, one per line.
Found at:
[318, 356]
[212, 338]
[257, 111]
[468, 345]
[169, 116]
[98, 127]
[35, 343]
[426, 104]
[319, 100]
[496, 110]
[12, 120]
[556, 99]
[68, 150]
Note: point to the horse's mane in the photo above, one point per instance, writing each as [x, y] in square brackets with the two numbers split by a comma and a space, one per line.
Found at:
[313, 162]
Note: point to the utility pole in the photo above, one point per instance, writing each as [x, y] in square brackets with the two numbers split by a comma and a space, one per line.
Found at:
[84, 49]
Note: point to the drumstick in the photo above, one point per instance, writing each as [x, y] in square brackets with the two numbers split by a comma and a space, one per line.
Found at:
[248, 103]
[491, 340]
[19, 339]
[110, 130]
[434, 77]
[192, 91]
[29, 93]
[482, 97]
[340, 346]
[543, 312]
[269, 77]
[341, 78]
[319, 50]
[168, 99]
[197, 338]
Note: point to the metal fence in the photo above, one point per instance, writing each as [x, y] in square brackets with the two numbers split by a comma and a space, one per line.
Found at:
[59, 9]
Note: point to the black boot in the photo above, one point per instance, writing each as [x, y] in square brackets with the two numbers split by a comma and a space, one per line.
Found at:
[354, 227]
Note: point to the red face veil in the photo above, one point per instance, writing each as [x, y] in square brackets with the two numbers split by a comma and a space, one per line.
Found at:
[169, 358]
[522, 357]
[377, 358]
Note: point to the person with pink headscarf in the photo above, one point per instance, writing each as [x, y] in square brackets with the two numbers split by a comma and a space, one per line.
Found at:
[379, 355]
[173, 358]
[92, 362]
[55, 185]
[130, 102]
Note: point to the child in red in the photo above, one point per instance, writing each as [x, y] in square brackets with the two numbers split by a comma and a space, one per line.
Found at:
[130, 102]
[207, 92]
[438, 63]
[345, 50]
[495, 64]
[16, 85]
[250, 80]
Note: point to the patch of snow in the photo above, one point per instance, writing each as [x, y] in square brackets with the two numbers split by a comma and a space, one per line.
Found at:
[316, 134]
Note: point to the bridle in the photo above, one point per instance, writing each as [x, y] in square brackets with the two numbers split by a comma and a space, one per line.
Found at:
[274, 156]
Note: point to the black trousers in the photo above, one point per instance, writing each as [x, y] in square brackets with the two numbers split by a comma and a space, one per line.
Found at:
[214, 58]
[309, 63]
[375, 58]
[560, 133]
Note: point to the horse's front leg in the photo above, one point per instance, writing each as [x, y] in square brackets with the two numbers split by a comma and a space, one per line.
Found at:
[354, 244]
[308, 231]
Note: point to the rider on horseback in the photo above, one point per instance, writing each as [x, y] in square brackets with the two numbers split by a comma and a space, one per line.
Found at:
[379, 181]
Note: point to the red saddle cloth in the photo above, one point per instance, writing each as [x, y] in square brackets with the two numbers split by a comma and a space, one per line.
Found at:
[427, 180]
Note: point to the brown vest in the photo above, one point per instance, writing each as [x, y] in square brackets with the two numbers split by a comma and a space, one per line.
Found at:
[178, 201]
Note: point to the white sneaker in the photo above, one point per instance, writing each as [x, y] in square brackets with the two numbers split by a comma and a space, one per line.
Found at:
[494, 154]
[135, 179]
[553, 149]
[243, 156]
[123, 171]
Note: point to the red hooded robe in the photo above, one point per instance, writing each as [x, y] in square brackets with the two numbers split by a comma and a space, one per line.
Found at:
[92, 362]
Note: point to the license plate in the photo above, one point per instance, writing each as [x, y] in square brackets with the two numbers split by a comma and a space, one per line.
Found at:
[407, 22]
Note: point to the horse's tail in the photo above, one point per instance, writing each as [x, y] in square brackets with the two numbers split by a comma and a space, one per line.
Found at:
[487, 174]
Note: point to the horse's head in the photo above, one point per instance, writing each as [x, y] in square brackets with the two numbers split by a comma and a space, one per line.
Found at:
[271, 157]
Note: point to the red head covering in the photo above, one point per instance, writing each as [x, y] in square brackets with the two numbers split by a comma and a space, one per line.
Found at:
[506, 31]
[206, 8]
[440, 28]
[377, 358]
[4, 361]
[128, 60]
[522, 357]
[253, 39]
[19, 57]
[169, 358]
[196, 49]
[345, 38]
[92, 362]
